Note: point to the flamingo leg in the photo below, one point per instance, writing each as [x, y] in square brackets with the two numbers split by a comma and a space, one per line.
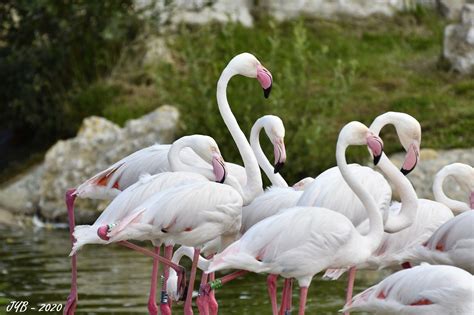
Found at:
[271, 287]
[290, 296]
[181, 272]
[165, 302]
[285, 307]
[350, 286]
[152, 307]
[303, 296]
[71, 303]
[202, 300]
[188, 309]
[213, 305]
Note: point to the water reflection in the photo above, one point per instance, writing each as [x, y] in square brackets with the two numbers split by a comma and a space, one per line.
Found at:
[34, 266]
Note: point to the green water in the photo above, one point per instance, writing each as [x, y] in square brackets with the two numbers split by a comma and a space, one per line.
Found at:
[34, 267]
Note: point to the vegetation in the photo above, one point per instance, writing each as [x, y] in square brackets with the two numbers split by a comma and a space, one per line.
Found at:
[326, 73]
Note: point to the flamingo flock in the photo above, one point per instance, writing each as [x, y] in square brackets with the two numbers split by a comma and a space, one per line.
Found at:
[342, 220]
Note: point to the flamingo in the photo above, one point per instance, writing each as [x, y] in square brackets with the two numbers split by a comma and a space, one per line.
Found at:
[244, 64]
[453, 242]
[425, 289]
[329, 189]
[464, 176]
[302, 241]
[143, 189]
[430, 216]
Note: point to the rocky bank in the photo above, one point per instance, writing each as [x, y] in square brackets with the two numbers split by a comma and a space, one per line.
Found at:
[98, 144]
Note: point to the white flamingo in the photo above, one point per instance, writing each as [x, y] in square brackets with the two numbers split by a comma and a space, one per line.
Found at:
[422, 290]
[463, 174]
[329, 190]
[197, 213]
[302, 241]
[148, 185]
[453, 242]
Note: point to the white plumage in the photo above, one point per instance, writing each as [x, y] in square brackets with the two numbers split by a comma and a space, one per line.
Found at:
[451, 244]
[425, 289]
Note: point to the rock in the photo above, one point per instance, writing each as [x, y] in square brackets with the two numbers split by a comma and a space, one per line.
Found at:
[22, 195]
[431, 161]
[283, 10]
[198, 11]
[450, 9]
[458, 48]
[98, 144]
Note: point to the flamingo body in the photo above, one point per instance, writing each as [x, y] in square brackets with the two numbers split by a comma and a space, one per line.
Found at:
[425, 289]
[329, 190]
[451, 244]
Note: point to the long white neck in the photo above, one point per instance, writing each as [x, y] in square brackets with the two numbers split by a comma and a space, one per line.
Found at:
[254, 184]
[455, 205]
[374, 237]
[276, 179]
[176, 164]
[409, 199]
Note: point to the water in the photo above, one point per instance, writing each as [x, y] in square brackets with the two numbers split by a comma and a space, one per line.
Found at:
[34, 267]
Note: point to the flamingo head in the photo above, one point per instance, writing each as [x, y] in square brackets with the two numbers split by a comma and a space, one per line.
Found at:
[248, 65]
[408, 131]
[207, 148]
[356, 133]
[275, 131]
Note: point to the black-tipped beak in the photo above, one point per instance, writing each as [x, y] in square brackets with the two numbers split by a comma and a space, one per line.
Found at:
[405, 172]
[222, 179]
[266, 92]
[278, 167]
[377, 159]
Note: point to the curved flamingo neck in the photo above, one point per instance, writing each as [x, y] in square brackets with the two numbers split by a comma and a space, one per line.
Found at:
[440, 196]
[254, 183]
[375, 234]
[275, 179]
[408, 197]
[176, 164]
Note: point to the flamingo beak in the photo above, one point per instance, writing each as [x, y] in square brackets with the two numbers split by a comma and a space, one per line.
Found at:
[375, 145]
[411, 159]
[280, 155]
[265, 78]
[218, 166]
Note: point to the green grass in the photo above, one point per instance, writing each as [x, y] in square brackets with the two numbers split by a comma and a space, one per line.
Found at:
[326, 73]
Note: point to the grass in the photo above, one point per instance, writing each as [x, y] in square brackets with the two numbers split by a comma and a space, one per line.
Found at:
[326, 73]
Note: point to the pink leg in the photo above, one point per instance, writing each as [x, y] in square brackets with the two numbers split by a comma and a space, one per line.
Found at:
[271, 287]
[71, 303]
[213, 305]
[188, 308]
[286, 297]
[152, 307]
[303, 296]
[165, 302]
[168, 263]
[290, 296]
[202, 300]
[350, 286]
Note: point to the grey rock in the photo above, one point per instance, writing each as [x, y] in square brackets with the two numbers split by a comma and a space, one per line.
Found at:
[458, 48]
[176, 12]
[22, 194]
[450, 9]
[430, 163]
[98, 144]
[283, 10]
